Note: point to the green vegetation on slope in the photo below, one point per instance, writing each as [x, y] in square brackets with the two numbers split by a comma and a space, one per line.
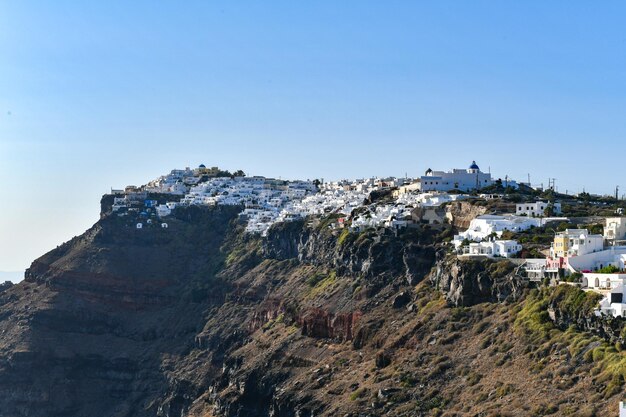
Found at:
[533, 322]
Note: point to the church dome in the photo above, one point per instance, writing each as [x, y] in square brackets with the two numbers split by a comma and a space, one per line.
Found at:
[429, 171]
[201, 166]
[474, 166]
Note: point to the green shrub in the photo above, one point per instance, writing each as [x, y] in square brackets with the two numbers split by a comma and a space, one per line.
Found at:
[609, 269]
[359, 393]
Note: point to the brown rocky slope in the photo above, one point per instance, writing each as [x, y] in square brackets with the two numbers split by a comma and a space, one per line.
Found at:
[201, 320]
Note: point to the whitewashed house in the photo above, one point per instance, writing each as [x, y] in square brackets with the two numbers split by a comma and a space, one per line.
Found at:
[493, 248]
[536, 209]
[614, 256]
[613, 304]
[615, 228]
[162, 210]
[119, 203]
[535, 268]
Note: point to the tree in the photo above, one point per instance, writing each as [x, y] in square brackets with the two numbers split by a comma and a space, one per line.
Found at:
[596, 229]
[584, 196]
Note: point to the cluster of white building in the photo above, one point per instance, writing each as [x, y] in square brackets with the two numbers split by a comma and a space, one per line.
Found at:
[489, 225]
[267, 201]
[176, 182]
[598, 258]
[484, 231]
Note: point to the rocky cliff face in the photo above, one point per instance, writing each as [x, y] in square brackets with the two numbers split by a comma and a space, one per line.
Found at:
[461, 213]
[201, 320]
[469, 282]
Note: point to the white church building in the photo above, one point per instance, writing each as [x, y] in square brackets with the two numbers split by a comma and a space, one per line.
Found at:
[457, 179]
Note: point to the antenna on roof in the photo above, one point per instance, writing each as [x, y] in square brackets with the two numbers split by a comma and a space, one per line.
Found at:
[551, 183]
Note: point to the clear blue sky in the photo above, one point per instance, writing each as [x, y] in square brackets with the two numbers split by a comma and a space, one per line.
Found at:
[109, 93]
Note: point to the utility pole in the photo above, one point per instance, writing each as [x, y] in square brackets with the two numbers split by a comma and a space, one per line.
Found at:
[616, 192]
[551, 183]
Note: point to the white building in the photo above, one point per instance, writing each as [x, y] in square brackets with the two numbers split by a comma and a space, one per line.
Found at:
[614, 256]
[458, 179]
[615, 228]
[622, 409]
[503, 248]
[575, 242]
[613, 304]
[163, 210]
[483, 226]
[536, 209]
[535, 269]
[601, 282]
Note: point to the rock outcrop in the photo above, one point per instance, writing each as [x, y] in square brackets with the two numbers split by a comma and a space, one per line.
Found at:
[568, 306]
[461, 213]
[372, 254]
[469, 282]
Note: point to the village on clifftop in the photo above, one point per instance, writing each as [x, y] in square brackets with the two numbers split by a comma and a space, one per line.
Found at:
[578, 240]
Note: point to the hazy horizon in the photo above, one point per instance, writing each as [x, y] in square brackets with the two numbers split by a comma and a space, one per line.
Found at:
[106, 94]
